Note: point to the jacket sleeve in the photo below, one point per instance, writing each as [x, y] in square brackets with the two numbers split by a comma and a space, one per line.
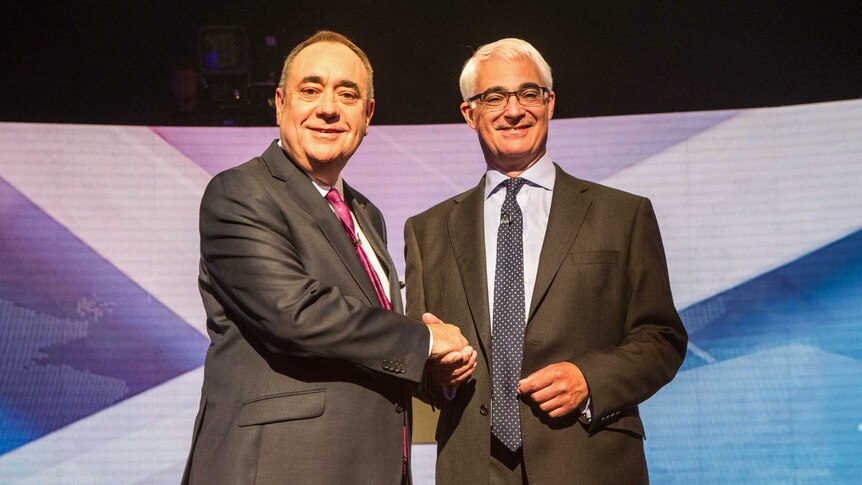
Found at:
[655, 340]
[427, 392]
[251, 266]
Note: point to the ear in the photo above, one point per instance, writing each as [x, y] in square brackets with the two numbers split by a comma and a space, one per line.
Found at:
[467, 112]
[369, 112]
[279, 104]
[551, 99]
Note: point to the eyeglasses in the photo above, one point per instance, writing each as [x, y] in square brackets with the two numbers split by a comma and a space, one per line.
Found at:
[495, 99]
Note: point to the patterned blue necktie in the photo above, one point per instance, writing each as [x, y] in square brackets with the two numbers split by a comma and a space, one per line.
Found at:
[507, 339]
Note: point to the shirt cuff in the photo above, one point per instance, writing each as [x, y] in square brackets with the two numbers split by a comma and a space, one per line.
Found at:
[430, 341]
[586, 410]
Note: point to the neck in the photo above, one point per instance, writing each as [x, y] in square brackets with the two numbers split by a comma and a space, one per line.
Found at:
[325, 179]
[513, 168]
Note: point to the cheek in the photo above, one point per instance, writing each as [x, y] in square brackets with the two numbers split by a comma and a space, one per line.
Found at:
[486, 128]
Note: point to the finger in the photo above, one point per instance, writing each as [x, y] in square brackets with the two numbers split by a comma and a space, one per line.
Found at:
[430, 319]
[562, 411]
[545, 394]
[462, 372]
[468, 368]
[537, 380]
[466, 352]
[465, 375]
[453, 358]
[553, 404]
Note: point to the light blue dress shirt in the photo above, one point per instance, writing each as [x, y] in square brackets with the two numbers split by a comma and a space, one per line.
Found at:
[534, 199]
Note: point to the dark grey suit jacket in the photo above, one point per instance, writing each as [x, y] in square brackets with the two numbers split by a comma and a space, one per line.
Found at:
[601, 300]
[307, 379]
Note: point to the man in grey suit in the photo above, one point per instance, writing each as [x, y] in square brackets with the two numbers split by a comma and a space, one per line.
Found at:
[562, 286]
[309, 375]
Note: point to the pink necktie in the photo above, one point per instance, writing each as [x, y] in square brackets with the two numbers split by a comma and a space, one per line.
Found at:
[343, 212]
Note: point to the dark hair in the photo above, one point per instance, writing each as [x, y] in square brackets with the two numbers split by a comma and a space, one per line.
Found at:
[328, 36]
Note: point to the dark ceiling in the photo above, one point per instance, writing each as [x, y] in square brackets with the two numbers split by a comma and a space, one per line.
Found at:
[109, 62]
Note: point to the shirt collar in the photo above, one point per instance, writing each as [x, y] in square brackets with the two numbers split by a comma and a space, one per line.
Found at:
[324, 189]
[542, 174]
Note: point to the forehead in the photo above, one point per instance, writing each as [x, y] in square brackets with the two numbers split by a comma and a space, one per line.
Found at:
[330, 61]
[510, 74]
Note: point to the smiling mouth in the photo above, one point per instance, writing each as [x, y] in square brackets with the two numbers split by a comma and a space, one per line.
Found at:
[513, 128]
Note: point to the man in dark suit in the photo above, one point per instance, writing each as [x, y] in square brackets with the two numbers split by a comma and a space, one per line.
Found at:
[309, 375]
[563, 285]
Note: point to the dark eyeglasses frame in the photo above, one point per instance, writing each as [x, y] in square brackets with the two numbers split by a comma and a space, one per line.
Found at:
[517, 93]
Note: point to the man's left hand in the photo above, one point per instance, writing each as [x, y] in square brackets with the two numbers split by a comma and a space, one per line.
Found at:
[558, 389]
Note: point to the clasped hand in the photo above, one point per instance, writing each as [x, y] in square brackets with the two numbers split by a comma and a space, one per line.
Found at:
[452, 358]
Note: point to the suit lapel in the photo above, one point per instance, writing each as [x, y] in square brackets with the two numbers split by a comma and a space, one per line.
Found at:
[378, 243]
[466, 232]
[306, 195]
[569, 206]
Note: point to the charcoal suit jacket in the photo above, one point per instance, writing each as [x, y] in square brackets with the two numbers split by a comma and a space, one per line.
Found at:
[307, 379]
[601, 300]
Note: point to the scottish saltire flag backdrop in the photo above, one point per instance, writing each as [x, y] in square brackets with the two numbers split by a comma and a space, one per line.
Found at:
[102, 333]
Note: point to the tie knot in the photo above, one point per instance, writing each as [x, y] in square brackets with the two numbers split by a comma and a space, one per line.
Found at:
[334, 197]
[513, 185]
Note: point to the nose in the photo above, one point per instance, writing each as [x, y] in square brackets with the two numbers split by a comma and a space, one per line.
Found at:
[327, 106]
[513, 108]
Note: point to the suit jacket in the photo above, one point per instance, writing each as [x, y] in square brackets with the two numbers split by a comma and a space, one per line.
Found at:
[307, 379]
[601, 300]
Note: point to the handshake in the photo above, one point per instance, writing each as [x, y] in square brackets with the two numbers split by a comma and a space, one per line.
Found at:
[452, 359]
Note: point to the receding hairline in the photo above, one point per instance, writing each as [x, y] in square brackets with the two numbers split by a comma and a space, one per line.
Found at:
[328, 36]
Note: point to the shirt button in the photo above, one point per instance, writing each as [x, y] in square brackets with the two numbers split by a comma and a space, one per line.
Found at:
[399, 408]
[483, 410]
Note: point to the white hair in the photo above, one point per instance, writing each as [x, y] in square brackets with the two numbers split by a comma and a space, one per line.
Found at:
[510, 49]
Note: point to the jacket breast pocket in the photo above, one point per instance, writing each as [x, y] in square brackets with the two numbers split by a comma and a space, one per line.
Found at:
[282, 407]
[594, 270]
[590, 285]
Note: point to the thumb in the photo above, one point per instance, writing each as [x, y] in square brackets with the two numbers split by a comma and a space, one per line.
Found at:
[430, 319]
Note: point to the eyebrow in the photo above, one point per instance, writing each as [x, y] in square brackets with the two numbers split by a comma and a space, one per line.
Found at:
[319, 80]
[501, 89]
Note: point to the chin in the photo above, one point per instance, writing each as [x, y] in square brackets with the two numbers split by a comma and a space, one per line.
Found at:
[324, 156]
[515, 154]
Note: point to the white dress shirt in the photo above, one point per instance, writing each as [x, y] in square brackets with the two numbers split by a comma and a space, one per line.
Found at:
[372, 256]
